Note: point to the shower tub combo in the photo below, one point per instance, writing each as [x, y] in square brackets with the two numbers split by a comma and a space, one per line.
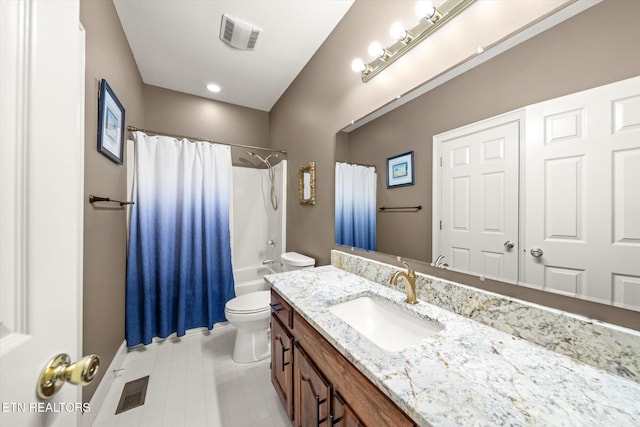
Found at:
[251, 279]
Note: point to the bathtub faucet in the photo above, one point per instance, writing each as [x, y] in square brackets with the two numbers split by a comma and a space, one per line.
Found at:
[268, 261]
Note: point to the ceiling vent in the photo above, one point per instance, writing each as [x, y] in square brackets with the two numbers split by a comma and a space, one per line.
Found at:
[238, 34]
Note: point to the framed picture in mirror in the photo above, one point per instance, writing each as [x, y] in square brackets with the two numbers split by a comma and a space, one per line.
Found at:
[400, 170]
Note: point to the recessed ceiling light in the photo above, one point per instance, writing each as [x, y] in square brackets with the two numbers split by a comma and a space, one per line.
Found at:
[213, 87]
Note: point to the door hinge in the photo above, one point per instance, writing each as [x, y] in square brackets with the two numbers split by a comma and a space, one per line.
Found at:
[440, 224]
[440, 161]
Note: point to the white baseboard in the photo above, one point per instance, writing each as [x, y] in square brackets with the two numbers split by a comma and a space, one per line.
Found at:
[100, 394]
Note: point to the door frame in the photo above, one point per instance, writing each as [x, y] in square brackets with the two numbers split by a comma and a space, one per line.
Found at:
[436, 206]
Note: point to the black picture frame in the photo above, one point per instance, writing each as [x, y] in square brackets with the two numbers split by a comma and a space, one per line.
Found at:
[400, 170]
[111, 124]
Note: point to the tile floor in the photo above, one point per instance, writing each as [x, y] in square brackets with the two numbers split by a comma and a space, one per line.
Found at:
[193, 382]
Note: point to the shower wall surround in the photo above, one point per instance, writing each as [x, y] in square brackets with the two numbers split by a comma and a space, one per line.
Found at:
[602, 345]
[257, 230]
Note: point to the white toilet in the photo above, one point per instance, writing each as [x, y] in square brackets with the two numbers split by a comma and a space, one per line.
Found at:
[250, 314]
[295, 261]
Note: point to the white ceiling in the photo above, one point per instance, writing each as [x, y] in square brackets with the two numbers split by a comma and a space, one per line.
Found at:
[176, 44]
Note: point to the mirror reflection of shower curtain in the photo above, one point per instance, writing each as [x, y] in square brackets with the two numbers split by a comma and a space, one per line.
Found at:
[356, 206]
[179, 273]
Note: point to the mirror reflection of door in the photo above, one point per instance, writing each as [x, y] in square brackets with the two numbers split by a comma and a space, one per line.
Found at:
[478, 231]
[582, 176]
[578, 230]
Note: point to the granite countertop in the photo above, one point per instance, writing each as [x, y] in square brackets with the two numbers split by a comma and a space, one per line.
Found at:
[469, 374]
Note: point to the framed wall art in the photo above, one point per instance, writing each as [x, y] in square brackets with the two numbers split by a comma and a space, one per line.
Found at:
[400, 170]
[110, 124]
[307, 184]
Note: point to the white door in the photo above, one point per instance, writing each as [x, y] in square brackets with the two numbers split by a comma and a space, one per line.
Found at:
[583, 194]
[478, 232]
[41, 187]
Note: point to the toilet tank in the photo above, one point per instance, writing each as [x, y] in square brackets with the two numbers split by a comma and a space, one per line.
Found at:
[295, 261]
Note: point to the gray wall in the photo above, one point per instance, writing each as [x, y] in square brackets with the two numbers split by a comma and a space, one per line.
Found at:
[598, 46]
[105, 236]
[182, 114]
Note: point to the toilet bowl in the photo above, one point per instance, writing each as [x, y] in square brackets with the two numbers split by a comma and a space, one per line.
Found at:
[250, 314]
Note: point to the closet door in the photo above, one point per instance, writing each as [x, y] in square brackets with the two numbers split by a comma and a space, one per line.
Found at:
[582, 205]
[479, 198]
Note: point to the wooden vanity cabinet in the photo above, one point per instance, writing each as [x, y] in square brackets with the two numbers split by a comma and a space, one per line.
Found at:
[326, 390]
[282, 354]
[312, 392]
[342, 415]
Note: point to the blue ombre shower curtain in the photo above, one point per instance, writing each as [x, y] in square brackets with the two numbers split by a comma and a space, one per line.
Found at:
[179, 273]
[356, 206]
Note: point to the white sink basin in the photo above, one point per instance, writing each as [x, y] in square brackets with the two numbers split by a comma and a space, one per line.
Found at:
[383, 323]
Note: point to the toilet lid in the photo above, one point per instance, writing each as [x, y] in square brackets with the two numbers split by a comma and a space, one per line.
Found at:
[252, 302]
[297, 260]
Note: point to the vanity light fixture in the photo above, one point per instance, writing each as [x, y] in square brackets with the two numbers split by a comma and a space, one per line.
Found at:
[432, 18]
[399, 32]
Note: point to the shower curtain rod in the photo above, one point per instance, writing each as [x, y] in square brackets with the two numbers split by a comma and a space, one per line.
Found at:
[212, 141]
[359, 164]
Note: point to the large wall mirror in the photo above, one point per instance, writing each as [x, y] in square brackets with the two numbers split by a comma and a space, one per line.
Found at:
[524, 94]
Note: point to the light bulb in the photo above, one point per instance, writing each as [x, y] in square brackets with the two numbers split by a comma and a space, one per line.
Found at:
[376, 50]
[397, 31]
[358, 65]
[425, 9]
[213, 87]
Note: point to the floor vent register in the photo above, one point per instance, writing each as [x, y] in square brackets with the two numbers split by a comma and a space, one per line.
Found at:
[133, 394]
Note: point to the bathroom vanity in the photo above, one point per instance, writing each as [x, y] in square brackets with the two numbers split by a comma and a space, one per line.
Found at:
[327, 372]
[316, 384]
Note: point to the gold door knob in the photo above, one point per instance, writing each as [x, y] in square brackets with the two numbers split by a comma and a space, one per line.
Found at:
[59, 370]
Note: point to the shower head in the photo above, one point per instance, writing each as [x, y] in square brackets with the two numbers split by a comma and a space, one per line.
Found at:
[263, 160]
[274, 196]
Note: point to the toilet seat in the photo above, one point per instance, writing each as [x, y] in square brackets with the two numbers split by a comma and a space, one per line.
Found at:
[253, 302]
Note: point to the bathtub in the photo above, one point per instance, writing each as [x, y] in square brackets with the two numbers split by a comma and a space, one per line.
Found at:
[251, 279]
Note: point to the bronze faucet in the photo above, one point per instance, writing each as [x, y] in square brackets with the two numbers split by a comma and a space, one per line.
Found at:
[409, 283]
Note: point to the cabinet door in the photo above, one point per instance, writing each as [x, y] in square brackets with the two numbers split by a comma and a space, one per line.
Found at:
[342, 415]
[281, 364]
[312, 392]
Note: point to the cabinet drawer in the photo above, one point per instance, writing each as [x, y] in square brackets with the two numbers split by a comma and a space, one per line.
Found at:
[281, 310]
